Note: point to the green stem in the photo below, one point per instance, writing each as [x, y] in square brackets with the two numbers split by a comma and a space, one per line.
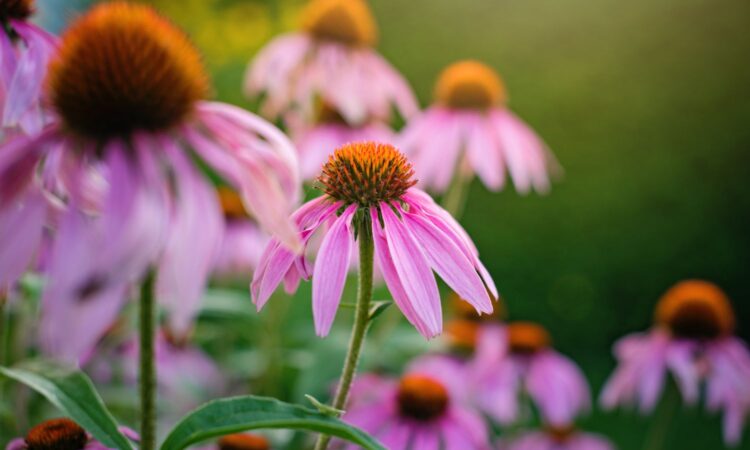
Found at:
[147, 371]
[454, 199]
[663, 421]
[361, 321]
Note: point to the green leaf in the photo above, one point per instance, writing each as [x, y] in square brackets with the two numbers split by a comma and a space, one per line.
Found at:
[73, 393]
[237, 414]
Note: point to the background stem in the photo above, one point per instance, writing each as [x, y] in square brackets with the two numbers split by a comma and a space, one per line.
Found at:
[361, 321]
[147, 372]
[663, 420]
[454, 199]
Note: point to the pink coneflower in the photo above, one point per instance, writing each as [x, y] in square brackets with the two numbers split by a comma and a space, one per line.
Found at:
[470, 130]
[117, 164]
[330, 60]
[243, 242]
[330, 130]
[519, 358]
[561, 438]
[61, 434]
[25, 50]
[369, 186]
[423, 410]
[692, 339]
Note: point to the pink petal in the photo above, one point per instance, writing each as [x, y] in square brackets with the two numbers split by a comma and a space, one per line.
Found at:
[413, 270]
[329, 274]
[484, 154]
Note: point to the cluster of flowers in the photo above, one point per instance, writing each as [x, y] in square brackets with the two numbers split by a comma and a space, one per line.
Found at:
[107, 167]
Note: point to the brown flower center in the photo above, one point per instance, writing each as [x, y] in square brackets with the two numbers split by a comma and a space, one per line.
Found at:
[462, 334]
[122, 67]
[231, 203]
[16, 9]
[421, 397]
[243, 441]
[367, 173]
[561, 434]
[696, 309]
[56, 434]
[526, 338]
[349, 22]
[469, 85]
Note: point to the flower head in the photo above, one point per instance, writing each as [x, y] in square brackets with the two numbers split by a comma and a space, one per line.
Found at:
[474, 132]
[367, 174]
[348, 22]
[412, 237]
[25, 50]
[518, 358]
[330, 61]
[557, 438]
[61, 434]
[692, 340]
[124, 68]
[118, 162]
[425, 406]
[243, 441]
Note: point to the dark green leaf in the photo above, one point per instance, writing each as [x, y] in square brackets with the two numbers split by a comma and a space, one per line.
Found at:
[237, 414]
[73, 393]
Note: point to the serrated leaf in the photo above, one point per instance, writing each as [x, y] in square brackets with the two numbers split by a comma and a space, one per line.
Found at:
[238, 414]
[73, 393]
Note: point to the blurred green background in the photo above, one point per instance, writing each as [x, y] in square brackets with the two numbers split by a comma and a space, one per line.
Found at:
[647, 106]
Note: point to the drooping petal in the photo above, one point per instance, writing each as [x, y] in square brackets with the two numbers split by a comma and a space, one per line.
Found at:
[558, 387]
[21, 225]
[447, 259]
[413, 270]
[192, 245]
[484, 154]
[330, 271]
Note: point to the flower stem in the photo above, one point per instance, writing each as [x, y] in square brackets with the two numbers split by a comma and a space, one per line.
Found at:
[663, 421]
[147, 373]
[454, 199]
[361, 322]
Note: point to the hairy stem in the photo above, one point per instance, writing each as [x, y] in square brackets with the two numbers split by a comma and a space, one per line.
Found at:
[361, 322]
[147, 372]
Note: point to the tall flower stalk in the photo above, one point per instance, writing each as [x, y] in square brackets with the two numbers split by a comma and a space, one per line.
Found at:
[361, 321]
[147, 366]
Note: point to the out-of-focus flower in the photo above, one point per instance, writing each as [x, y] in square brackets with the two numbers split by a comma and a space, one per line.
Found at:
[423, 410]
[368, 187]
[470, 130]
[563, 438]
[518, 358]
[25, 50]
[329, 131]
[692, 339]
[127, 88]
[243, 242]
[242, 441]
[61, 434]
[330, 60]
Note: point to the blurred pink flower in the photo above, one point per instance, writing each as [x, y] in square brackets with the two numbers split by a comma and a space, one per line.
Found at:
[25, 50]
[330, 60]
[316, 141]
[413, 236]
[566, 438]
[518, 358]
[115, 176]
[424, 410]
[470, 130]
[243, 241]
[693, 341]
[62, 433]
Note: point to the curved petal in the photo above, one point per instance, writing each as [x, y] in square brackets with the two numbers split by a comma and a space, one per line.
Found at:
[329, 274]
[413, 270]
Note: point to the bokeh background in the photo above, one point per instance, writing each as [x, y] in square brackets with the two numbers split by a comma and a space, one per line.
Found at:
[647, 106]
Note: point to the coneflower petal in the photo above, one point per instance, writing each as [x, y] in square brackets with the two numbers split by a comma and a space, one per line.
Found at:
[187, 262]
[24, 223]
[413, 270]
[329, 273]
[392, 279]
[484, 155]
[447, 259]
